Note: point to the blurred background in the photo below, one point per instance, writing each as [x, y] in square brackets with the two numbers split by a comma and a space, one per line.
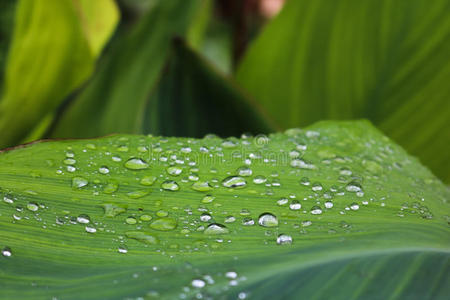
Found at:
[87, 68]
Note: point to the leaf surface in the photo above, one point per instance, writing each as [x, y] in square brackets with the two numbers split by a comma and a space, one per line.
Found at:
[130, 216]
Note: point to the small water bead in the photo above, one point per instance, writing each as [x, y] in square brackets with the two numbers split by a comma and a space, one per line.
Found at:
[143, 237]
[328, 204]
[268, 220]
[174, 171]
[316, 187]
[248, 221]
[164, 224]
[70, 154]
[215, 228]
[234, 182]
[138, 194]
[112, 210]
[142, 149]
[193, 177]
[201, 186]
[284, 239]
[302, 164]
[8, 199]
[353, 187]
[316, 210]
[345, 171]
[244, 212]
[205, 217]
[69, 161]
[135, 163]
[32, 206]
[162, 213]
[110, 188]
[122, 148]
[6, 251]
[305, 181]
[123, 249]
[198, 283]
[295, 205]
[71, 169]
[145, 218]
[90, 229]
[148, 180]
[79, 182]
[116, 158]
[131, 220]
[83, 219]
[244, 171]
[231, 275]
[306, 223]
[230, 219]
[282, 201]
[208, 199]
[354, 206]
[103, 170]
[170, 185]
[259, 179]
[372, 166]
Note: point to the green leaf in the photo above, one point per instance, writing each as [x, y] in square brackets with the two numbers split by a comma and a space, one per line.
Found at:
[114, 100]
[129, 216]
[194, 99]
[53, 51]
[382, 60]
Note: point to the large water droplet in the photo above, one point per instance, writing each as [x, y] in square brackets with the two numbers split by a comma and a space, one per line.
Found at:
[164, 224]
[136, 164]
[284, 239]
[201, 186]
[268, 220]
[170, 185]
[234, 182]
[216, 228]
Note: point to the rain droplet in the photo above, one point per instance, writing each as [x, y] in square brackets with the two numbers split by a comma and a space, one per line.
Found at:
[136, 164]
[90, 229]
[103, 170]
[284, 239]
[316, 187]
[131, 220]
[143, 237]
[6, 252]
[110, 188]
[205, 217]
[305, 181]
[259, 179]
[353, 187]
[201, 186]
[147, 180]
[216, 228]
[208, 199]
[328, 204]
[79, 182]
[244, 171]
[230, 219]
[112, 210]
[198, 283]
[32, 206]
[123, 249]
[301, 164]
[316, 210]
[234, 182]
[138, 194]
[164, 224]
[268, 220]
[174, 171]
[248, 221]
[170, 185]
[295, 205]
[83, 219]
[145, 218]
[354, 206]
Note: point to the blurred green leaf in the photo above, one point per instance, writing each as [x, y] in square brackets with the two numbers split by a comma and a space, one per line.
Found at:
[193, 99]
[7, 9]
[80, 221]
[53, 51]
[387, 61]
[115, 99]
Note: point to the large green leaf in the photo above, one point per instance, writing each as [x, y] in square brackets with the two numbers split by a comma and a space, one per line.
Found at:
[114, 100]
[193, 99]
[53, 51]
[386, 60]
[373, 222]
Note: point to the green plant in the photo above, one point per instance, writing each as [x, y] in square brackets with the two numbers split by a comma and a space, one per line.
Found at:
[333, 211]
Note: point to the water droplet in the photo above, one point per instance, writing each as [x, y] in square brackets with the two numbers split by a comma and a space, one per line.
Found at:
[372, 166]
[268, 220]
[208, 199]
[205, 217]
[145, 218]
[316, 210]
[174, 171]
[234, 182]
[143, 237]
[230, 219]
[6, 252]
[248, 221]
[103, 170]
[32, 206]
[162, 213]
[301, 164]
[231, 275]
[110, 188]
[354, 206]
[244, 171]
[164, 224]
[83, 219]
[79, 182]
[131, 220]
[216, 228]
[328, 204]
[284, 239]
[112, 210]
[147, 180]
[306, 223]
[123, 249]
[201, 186]
[198, 283]
[136, 164]
[138, 194]
[295, 205]
[353, 187]
[69, 161]
[316, 187]
[170, 185]
[259, 179]
[305, 181]
[90, 229]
